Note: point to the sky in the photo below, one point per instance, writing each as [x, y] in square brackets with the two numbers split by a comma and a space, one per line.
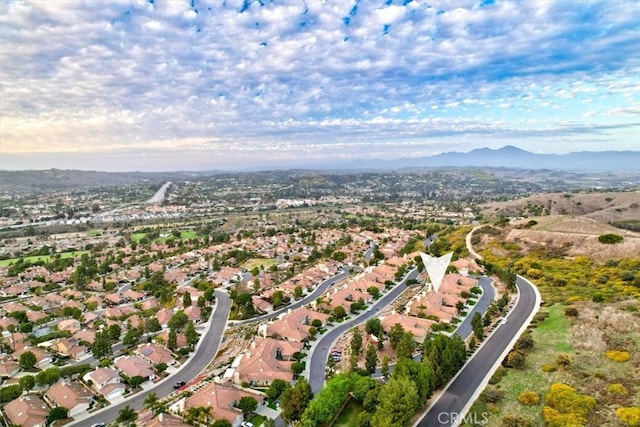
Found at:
[155, 85]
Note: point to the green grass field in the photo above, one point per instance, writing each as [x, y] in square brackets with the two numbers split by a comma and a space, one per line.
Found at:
[45, 258]
[262, 263]
[349, 415]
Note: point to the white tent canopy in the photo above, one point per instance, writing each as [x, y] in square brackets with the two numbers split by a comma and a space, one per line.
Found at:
[436, 267]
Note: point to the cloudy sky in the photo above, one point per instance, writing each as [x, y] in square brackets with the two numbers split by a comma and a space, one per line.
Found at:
[194, 84]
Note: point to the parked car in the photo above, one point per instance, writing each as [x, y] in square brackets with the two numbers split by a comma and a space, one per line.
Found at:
[179, 384]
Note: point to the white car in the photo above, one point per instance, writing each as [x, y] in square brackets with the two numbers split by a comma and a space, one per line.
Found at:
[246, 424]
[503, 321]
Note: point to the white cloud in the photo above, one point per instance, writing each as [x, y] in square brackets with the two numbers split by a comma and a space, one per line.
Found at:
[107, 76]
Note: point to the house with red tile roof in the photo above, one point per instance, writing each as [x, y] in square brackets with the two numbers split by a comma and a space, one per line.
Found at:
[416, 326]
[266, 360]
[9, 368]
[135, 366]
[294, 326]
[27, 411]
[106, 381]
[156, 353]
[74, 396]
[220, 398]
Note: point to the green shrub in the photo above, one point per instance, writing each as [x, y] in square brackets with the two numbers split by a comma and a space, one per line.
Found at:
[610, 239]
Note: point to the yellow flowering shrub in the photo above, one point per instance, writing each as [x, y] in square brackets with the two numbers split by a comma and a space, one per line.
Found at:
[616, 388]
[617, 356]
[630, 416]
[529, 398]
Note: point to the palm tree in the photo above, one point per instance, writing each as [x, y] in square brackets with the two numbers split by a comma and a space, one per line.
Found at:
[151, 401]
[127, 415]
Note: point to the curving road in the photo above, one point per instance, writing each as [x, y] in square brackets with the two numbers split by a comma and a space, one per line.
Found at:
[319, 290]
[205, 351]
[474, 376]
[320, 352]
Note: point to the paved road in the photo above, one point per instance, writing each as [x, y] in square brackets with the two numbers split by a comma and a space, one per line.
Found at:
[204, 353]
[457, 397]
[158, 197]
[318, 358]
[319, 290]
[488, 294]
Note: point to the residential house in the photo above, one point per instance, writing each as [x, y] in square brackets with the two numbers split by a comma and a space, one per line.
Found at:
[69, 347]
[74, 396]
[43, 357]
[416, 326]
[294, 325]
[105, 381]
[9, 368]
[71, 325]
[135, 366]
[27, 411]
[220, 398]
[266, 360]
[156, 353]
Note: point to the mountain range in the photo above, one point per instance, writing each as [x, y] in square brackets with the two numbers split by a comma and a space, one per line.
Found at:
[507, 157]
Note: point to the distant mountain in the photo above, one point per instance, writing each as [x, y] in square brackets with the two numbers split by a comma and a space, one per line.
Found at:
[511, 157]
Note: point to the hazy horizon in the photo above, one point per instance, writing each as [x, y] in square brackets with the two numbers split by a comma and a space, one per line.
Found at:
[242, 84]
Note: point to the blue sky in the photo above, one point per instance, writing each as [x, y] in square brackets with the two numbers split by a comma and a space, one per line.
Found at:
[193, 85]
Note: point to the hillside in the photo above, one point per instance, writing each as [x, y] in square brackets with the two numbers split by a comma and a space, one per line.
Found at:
[605, 207]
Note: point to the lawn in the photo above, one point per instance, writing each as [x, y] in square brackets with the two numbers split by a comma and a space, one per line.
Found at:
[45, 258]
[262, 263]
[349, 415]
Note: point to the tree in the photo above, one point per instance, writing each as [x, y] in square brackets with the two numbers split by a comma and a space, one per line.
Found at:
[327, 403]
[152, 324]
[371, 359]
[102, 345]
[395, 335]
[186, 300]
[406, 346]
[27, 382]
[339, 312]
[172, 339]
[27, 360]
[190, 334]
[294, 400]
[419, 373]
[127, 415]
[297, 292]
[397, 403]
[247, 404]
[222, 423]
[356, 341]
[114, 332]
[151, 401]
[276, 388]
[57, 413]
[178, 320]
[132, 337]
[477, 326]
[459, 307]
[385, 366]
[48, 376]
[373, 327]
